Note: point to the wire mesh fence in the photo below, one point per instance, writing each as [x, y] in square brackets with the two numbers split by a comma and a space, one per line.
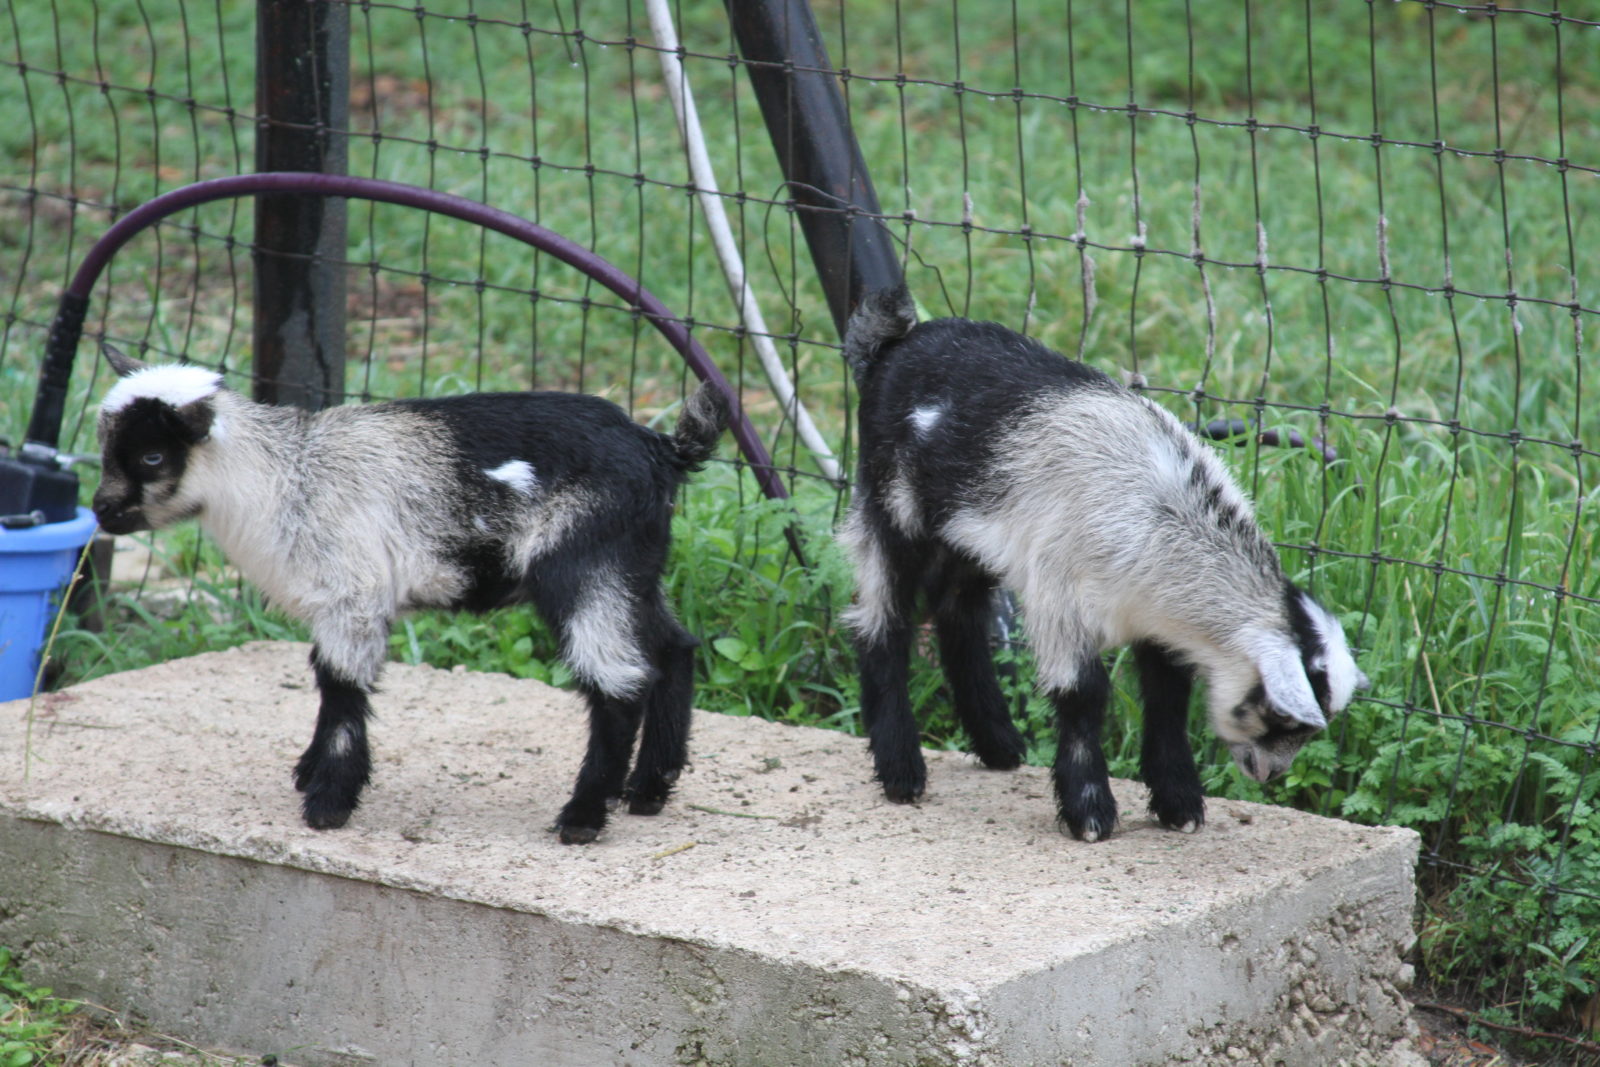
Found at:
[1362, 222]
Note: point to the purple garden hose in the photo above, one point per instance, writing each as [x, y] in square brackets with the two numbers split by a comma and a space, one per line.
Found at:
[1229, 429]
[67, 328]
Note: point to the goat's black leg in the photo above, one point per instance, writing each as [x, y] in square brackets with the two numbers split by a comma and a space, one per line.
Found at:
[337, 764]
[585, 600]
[1166, 760]
[892, 731]
[889, 572]
[664, 741]
[1083, 789]
[961, 620]
[613, 721]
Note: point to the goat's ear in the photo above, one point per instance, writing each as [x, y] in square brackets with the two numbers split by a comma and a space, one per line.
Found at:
[195, 420]
[124, 365]
[1283, 676]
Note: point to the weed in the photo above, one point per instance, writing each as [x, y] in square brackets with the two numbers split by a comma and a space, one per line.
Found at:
[32, 1019]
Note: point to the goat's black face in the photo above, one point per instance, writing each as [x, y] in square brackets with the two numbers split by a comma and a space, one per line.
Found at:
[146, 450]
[1275, 741]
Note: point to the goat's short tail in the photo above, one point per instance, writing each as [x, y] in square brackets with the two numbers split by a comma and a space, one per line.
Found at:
[883, 315]
[705, 415]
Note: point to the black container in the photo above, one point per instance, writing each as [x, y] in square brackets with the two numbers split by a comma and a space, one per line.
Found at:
[33, 484]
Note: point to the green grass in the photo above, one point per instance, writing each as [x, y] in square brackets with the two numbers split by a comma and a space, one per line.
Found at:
[40, 1029]
[1455, 535]
[32, 1020]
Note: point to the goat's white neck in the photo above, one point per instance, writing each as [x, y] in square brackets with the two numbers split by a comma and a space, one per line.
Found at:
[247, 481]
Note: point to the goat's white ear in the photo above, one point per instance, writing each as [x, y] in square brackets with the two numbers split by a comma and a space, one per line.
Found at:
[123, 364]
[1283, 676]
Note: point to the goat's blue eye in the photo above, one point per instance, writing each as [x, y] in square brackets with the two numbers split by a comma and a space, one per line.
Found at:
[152, 459]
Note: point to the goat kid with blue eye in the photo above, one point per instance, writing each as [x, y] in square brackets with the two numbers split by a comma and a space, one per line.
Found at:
[989, 460]
[348, 517]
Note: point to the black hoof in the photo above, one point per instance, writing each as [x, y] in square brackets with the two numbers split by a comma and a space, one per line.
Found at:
[1089, 812]
[1089, 831]
[646, 805]
[304, 771]
[1000, 761]
[1185, 814]
[903, 794]
[904, 780]
[321, 814]
[332, 789]
[1002, 753]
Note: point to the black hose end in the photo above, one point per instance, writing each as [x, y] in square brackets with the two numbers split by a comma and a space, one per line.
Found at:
[60, 349]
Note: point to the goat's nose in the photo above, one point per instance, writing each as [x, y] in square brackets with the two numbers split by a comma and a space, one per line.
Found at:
[116, 515]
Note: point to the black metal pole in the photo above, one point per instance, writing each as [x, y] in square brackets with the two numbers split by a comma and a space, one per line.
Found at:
[806, 117]
[303, 100]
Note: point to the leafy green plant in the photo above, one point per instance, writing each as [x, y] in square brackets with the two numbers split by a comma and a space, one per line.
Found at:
[32, 1018]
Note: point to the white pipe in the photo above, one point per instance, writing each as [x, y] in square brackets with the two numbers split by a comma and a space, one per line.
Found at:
[705, 182]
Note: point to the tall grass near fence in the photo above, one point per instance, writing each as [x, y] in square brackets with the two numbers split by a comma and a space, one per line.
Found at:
[1364, 222]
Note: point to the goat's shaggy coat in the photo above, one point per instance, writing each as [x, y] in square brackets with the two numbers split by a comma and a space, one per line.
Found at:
[348, 517]
[987, 459]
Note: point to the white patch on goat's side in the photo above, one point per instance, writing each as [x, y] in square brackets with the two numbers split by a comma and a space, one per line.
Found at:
[516, 473]
[600, 644]
[869, 616]
[173, 384]
[900, 501]
[543, 525]
[341, 743]
[923, 420]
[479, 524]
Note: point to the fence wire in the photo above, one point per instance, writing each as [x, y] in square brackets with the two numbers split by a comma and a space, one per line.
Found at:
[1365, 222]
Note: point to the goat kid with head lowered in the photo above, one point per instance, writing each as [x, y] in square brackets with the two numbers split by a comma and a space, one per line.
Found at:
[987, 459]
[347, 517]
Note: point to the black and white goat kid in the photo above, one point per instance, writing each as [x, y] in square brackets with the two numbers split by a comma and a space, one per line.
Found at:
[987, 459]
[347, 517]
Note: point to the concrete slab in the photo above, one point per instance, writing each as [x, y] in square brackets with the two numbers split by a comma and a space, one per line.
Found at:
[778, 912]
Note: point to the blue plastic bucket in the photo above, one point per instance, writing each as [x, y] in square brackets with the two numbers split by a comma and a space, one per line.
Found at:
[34, 564]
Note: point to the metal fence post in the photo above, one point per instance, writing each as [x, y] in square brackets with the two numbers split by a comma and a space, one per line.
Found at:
[303, 100]
[809, 124]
